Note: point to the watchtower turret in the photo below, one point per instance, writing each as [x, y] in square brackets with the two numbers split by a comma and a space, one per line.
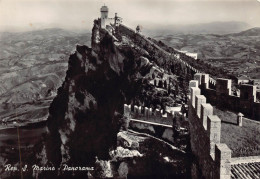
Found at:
[104, 15]
[106, 21]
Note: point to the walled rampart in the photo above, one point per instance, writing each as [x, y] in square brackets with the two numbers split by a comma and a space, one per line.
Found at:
[144, 42]
[157, 51]
[222, 97]
[147, 114]
[150, 121]
[161, 83]
[132, 34]
[205, 130]
[214, 158]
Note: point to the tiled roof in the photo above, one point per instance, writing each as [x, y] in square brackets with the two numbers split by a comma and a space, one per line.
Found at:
[245, 171]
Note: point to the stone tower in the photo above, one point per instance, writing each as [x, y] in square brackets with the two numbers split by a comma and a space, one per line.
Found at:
[104, 16]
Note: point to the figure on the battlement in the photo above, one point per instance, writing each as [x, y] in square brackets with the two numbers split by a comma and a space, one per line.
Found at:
[138, 29]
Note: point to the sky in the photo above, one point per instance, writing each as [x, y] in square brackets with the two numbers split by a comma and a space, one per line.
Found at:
[24, 15]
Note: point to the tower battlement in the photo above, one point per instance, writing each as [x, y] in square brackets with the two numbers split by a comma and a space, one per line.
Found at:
[148, 114]
[214, 157]
[205, 129]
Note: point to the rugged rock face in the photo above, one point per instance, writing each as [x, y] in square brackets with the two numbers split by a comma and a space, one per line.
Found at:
[86, 115]
[84, 118]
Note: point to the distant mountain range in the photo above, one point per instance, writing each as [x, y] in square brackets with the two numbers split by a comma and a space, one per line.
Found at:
[203, 28]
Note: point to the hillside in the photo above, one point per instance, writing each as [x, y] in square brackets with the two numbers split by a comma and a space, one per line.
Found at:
[229, 51]
[32, 67]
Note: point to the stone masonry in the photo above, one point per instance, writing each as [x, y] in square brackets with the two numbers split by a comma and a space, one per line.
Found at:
[222, 97]
[213, 156]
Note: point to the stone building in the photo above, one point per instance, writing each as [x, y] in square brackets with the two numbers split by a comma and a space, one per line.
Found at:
[106, 21]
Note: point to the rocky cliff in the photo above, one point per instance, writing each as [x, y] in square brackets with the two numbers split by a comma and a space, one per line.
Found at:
[86, 115]
[84, 118]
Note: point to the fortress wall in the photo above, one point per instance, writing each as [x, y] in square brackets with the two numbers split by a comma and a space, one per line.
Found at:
[137, 36]
[126, 31]
[193, 83]
[154, 50]
[223, 86]
[145, 43]
[232, 102]
[147, 114]
[205, 130]
[156, 116]
[248, 92]
[222, 96]
[210, 94]
[157, 51]
[256, 111]
[164, 83]
[212, 82]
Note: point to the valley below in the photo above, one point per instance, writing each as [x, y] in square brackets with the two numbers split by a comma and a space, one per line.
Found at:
[32, 68]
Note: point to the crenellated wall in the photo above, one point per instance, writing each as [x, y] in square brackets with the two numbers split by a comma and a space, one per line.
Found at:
[222, 97]
[153, 122]
[205, 130]
[161, 83]
[147, 114]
